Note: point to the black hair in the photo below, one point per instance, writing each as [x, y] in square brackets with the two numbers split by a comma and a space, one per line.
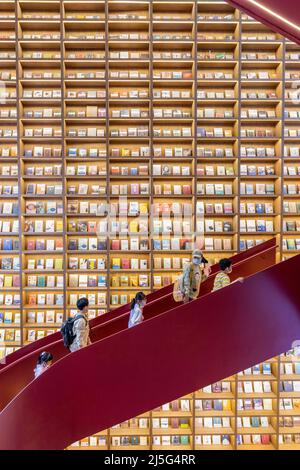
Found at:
[44, 357]
[138, 298]
[225, 263]
[82, 303]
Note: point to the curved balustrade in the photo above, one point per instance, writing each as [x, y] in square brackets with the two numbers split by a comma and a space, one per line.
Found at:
[279, 16]
[43, 343]
[16, 376]
[224, 332]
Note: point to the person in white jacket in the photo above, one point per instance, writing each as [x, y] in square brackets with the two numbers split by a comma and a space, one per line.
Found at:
[136, 309]
[44, 362]
[81, 329]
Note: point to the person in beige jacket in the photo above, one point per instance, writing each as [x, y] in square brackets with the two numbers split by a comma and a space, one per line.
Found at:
[193, 274]
[81, 329]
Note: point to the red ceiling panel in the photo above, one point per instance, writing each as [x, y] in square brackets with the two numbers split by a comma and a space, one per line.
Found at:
[287, 10]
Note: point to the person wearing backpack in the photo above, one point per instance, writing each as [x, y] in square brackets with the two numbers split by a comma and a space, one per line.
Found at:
[193, 274]
[76, 330]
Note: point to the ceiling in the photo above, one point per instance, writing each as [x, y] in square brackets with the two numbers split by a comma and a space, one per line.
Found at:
[286, 9]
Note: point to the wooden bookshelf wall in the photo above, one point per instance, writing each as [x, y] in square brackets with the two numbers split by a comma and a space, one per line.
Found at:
[191, 114]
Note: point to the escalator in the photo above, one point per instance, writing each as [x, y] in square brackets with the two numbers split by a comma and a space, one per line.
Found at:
[19, 373]
[169, 355]
[277, 15]
[43, 343]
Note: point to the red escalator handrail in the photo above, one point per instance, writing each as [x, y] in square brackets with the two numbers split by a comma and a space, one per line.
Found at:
[286, 9]
[16, 376]
[44, 343]
[166, 297]
[47, 340]
[141, 368]
[152, 303]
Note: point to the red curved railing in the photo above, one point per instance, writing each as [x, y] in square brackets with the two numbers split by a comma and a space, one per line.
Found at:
[43, 343]
[171, 355]
[287, 9]
[16, 376]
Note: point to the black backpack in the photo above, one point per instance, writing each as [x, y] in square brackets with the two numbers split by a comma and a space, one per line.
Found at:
[67, 330]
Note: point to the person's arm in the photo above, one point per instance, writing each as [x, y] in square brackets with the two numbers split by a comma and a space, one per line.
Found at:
[186, 280]
[140, 317]
[186, 284]
[81, 326]
[239, 279]
[205, 273]
[136, 316]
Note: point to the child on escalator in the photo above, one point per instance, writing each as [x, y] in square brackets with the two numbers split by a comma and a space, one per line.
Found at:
[136, 309]
[222, 279]
[44, 362]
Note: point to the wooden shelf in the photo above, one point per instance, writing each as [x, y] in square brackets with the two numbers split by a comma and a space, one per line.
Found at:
[171, 431]
[78, 448]
[172, 447]
[214, 431]
[256, 413]
[129, 447]
[257, 377]
[214, 396]
[172, 414]
[214, 414]
[256, 447]
[289, 447]
[129, 431]
[258, 430]
[214, 447]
